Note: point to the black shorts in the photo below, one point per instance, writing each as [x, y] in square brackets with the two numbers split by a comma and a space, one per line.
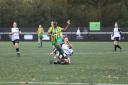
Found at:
[15, 41]
[116, 38]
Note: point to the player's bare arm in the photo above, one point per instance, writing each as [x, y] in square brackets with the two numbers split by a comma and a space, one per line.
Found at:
[67, 26]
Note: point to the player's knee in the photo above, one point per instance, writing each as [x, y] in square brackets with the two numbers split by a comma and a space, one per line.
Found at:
[17, 45]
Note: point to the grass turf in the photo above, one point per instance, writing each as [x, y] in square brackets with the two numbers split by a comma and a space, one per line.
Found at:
[92, 62]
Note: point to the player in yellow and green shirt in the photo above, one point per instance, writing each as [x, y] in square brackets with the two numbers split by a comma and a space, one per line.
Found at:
[52, 37]
[55, 33]
[40, 32]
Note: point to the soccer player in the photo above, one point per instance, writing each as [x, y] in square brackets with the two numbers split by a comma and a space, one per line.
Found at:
[55, 32]
[67, 48]
[117, 36]
[52, 37]
[15, 32]
[40, 32]
[68, 51]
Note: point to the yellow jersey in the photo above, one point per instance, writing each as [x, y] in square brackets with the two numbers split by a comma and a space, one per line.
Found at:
[40, 31]
[55, 32]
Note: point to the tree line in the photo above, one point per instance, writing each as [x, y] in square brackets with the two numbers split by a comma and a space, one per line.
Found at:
[30, 13]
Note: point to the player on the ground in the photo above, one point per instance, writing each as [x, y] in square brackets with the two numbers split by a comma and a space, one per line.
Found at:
[55, 32]
[40, 32]
[15, 32]
[67, 48]
[117, 36]
[68, 51]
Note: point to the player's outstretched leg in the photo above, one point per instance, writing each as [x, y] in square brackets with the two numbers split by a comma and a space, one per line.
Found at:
[119, 47]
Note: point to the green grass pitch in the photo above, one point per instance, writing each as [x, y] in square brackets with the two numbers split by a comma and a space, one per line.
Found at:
[92, 62]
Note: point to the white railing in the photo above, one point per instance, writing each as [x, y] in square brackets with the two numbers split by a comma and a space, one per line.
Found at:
[68, 33]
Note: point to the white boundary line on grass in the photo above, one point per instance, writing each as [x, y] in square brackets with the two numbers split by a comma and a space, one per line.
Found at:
[109, 84]
[56, 83]
[48, 83]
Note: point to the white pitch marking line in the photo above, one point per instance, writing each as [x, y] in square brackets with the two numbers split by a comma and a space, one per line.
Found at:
[52, 83]
[109, 84]
[56, 83]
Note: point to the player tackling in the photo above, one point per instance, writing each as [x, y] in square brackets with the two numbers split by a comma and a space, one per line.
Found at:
[55, 33]
[68, 52]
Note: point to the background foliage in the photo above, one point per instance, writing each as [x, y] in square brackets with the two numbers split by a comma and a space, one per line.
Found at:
[30, 13]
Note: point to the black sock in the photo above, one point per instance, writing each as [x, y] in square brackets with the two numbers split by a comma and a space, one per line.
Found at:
[17, 49]
[41, 44]
[57, 62]
[115, 46]
[119, 46]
